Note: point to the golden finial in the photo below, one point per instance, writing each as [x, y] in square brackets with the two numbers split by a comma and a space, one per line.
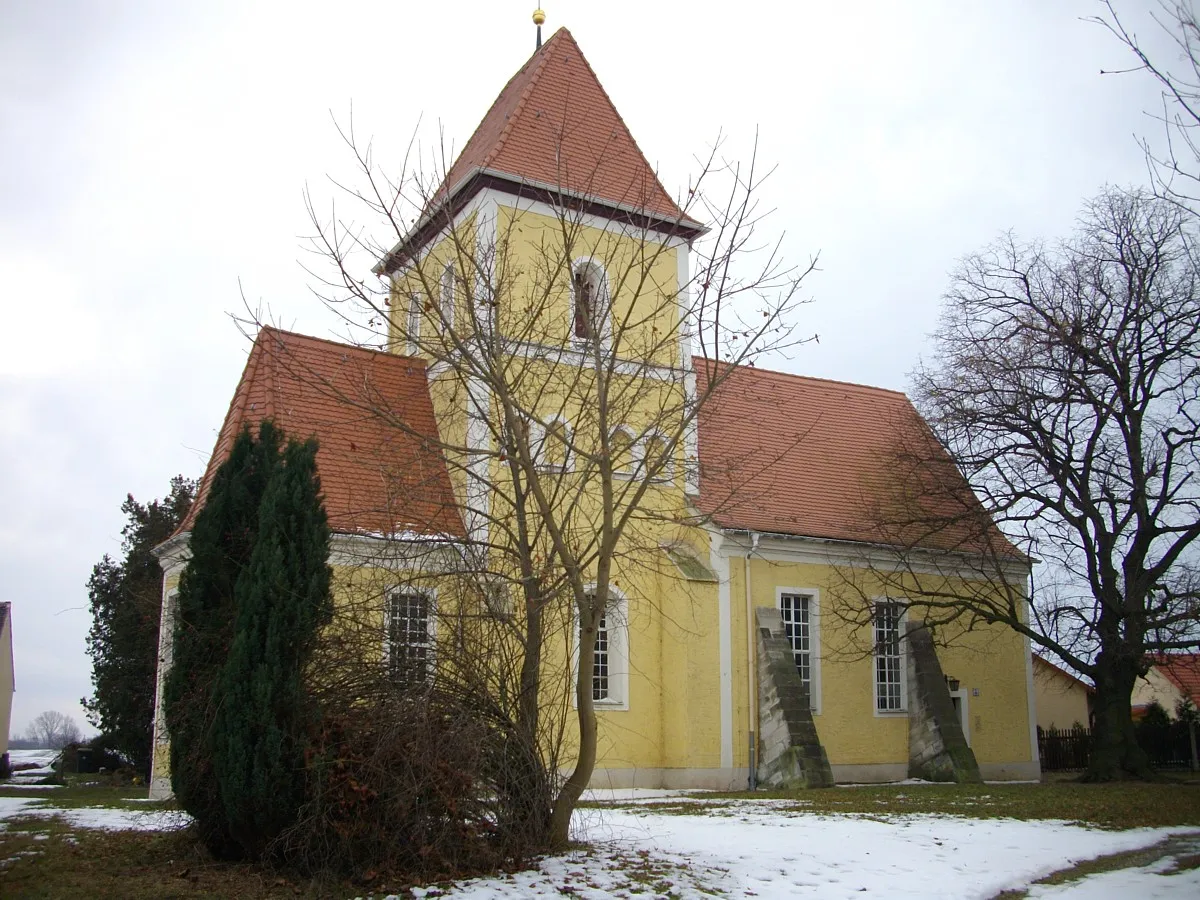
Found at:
[539, 17]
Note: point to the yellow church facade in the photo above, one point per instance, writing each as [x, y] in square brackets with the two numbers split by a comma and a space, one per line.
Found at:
[726, 657]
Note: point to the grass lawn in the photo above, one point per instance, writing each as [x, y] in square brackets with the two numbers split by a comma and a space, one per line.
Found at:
[49, 858]
[1122, 805]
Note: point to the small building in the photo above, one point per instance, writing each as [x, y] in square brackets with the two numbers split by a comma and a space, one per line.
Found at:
[1063, 700]
[7, 681]
[1175, 677]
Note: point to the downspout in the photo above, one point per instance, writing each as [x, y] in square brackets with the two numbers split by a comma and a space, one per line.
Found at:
[751, 669]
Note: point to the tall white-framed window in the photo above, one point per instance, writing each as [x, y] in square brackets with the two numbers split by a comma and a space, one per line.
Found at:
[623, 449]
[590, 317]
[408, 647]
[799, 608]
[413, 323]
[891, 694]
[446, 298]
[610, 661]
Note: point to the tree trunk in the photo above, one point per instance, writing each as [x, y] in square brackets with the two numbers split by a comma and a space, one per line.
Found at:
[1115, 752]
[572, 790]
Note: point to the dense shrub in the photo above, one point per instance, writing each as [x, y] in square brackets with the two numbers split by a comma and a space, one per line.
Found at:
[398, 786]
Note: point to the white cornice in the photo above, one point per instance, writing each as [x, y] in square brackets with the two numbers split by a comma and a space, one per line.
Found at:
[827, 551]
[581, 196]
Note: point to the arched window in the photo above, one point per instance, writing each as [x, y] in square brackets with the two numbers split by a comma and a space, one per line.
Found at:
[621, 447]
[447, 295]
[550, 445]
[656, 457]
[589, 302]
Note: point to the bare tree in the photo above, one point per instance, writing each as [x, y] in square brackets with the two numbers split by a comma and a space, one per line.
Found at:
[1174, 161]
[53, 730]
[1066, 388]
[569, 406]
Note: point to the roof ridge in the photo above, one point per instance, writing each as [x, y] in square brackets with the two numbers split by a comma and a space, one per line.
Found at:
[542, 57]
[797, 376]
[336, 343]
[620, 118]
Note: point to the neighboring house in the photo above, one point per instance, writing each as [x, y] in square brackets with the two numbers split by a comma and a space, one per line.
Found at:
[1063, 700]
[720, 623]
[1172, 679]
[7, 680]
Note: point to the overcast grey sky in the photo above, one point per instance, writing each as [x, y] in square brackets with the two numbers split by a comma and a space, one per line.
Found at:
[153, 155]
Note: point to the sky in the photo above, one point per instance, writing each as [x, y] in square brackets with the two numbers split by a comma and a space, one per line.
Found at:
[154, 158]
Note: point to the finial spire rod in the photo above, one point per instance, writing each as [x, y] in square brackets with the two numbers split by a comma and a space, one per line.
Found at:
[538, 18]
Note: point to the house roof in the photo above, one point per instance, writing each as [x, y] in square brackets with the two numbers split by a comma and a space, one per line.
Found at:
[554, 124]
[789, 454]
[371, 413]
[1183, 670]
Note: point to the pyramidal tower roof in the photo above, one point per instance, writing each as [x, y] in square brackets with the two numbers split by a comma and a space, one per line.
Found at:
[555, 125]
[554, 129]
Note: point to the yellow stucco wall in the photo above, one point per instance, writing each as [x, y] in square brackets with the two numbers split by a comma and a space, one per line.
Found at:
[989, 663]
[1155, 686]
[1062, 702]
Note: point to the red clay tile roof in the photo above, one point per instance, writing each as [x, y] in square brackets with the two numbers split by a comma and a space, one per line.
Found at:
[1183, 670]
[554, 124]
[375, 476]
[788, 454]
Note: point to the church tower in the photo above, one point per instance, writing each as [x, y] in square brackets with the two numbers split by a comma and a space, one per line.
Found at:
[549, 249]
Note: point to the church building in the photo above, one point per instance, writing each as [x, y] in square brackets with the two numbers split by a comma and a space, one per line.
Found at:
[548, 294]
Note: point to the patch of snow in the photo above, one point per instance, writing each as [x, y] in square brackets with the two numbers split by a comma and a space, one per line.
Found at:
[1146, 883]
[41, 757]
[105, 818]
[22, 786]
[763, 853]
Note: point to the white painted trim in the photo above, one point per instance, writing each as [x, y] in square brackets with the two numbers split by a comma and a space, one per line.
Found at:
[447, 294]
[1031, 699]
[719, 562]
[964, 715]
[787, 548]
[618, 653]
[814, 639]
[161, 742]
[901, 629]
[505, 198]
[412, 328]
[691, 451]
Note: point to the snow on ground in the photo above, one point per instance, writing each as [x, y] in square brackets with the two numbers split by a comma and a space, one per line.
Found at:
[106, 818]
[775, 849]
[42, 758]
[1147, 883]
[760, 851]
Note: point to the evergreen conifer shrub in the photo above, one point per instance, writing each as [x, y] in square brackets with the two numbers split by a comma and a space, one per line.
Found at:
[222, 540]
[265, 719]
